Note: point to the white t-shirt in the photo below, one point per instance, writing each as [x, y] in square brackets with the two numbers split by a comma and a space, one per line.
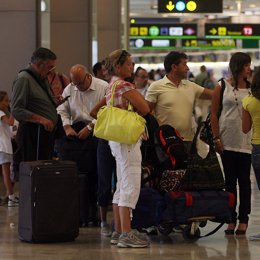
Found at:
[5, 136]
[174, 105]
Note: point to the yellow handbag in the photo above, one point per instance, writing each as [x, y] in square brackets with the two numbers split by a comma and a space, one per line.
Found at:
[119, 125]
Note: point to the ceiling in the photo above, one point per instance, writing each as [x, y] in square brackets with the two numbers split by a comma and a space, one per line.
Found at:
[148, 8]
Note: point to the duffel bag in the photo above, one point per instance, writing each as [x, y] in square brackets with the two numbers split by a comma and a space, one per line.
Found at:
[183, 207]
[149, 208]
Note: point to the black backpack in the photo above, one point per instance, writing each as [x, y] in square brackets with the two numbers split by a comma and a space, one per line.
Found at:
[171, 143]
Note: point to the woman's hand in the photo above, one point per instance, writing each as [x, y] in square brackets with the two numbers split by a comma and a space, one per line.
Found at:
[218, 146]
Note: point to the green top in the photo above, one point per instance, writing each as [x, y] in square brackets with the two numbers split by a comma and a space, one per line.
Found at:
[28, 98]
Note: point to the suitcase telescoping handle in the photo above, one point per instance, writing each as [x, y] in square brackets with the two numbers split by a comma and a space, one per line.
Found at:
[38, 142]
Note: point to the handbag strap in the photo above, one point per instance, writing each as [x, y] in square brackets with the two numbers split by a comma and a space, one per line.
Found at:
[193, 149]
[111, 100]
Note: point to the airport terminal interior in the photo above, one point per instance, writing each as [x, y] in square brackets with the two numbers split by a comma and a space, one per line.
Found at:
[148, 29]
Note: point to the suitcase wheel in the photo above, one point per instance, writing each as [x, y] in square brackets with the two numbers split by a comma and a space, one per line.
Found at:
[165, 229]
[191, 232]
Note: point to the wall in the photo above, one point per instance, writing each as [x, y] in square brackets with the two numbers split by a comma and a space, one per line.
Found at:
[18, 39]
[71, 33]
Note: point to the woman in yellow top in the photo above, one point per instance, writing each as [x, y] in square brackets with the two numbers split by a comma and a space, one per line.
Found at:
[251, 119]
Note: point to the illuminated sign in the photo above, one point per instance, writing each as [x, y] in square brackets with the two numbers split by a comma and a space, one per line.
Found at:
[162, 31]
[209, 44]
[190, 6]
[235, 31]
[145, 44]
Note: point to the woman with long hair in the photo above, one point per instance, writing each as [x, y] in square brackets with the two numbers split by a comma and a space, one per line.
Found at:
[232, 144]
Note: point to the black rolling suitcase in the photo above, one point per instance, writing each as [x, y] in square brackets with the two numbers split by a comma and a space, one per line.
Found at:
[49, 201]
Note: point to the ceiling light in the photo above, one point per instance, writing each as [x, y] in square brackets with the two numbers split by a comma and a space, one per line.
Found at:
[43, 6]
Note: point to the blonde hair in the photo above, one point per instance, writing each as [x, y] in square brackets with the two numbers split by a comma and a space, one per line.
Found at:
[114, 58]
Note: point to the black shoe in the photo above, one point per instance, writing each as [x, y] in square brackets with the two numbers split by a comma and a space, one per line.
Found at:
[229, 231]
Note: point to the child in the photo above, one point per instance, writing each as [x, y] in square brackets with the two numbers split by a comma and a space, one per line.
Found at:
[6, 151]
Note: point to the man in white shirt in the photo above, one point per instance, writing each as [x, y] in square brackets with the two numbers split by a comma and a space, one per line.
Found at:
[79, 145]
[83, 93]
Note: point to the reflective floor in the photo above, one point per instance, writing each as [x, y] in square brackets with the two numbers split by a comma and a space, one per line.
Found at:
[90, 245]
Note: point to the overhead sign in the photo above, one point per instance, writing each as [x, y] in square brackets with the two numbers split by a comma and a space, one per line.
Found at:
[236, 31]
[146, 44]
[162, 31]
[209, 44]
[190, 6]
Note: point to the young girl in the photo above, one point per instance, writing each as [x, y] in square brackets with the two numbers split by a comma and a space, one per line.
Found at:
[6, 151]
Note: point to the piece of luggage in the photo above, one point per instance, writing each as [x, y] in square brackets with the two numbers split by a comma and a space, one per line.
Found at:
[149, 208]
[48, 201]
[169, 140]
[184, 207]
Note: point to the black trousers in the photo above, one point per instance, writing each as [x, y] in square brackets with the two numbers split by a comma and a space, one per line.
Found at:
[237, 171]
[30, 146]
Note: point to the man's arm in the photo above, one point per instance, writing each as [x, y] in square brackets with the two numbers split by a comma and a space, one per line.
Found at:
[206, 94]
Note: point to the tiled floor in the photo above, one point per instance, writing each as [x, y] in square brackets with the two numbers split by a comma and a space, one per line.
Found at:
[89, 244]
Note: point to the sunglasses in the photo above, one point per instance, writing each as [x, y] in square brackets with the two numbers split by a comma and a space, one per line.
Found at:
[123, 54]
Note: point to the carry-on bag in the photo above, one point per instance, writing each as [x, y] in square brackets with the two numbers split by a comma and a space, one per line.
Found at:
[185, 207]
[48, 201]
[149, 208]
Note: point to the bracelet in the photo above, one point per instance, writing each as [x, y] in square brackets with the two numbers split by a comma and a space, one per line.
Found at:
[89, 128]
[94, 121]
[217, 140]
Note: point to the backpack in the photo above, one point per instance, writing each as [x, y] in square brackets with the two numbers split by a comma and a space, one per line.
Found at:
[169, 140]
[206, 132]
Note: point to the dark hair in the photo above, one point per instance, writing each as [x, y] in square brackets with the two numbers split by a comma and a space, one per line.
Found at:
[42, 54]
[138, 69]
[255, 86]
[236, 65]
[174, 57]
[2, 94]
[97, 67]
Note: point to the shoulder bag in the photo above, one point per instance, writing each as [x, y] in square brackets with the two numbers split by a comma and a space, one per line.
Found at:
[202, 173]
[119, 125]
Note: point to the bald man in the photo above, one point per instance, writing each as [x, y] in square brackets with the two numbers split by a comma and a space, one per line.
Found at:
[83, 93]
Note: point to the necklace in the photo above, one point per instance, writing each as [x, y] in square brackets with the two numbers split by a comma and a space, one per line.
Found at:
[236, 100]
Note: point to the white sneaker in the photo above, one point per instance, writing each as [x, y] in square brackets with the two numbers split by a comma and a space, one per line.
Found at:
[254, 237]
[114, 238]
[106, 230]
[133, 239]
[13, 202]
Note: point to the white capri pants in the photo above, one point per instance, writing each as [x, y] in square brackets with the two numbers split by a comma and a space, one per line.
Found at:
[128, 171]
